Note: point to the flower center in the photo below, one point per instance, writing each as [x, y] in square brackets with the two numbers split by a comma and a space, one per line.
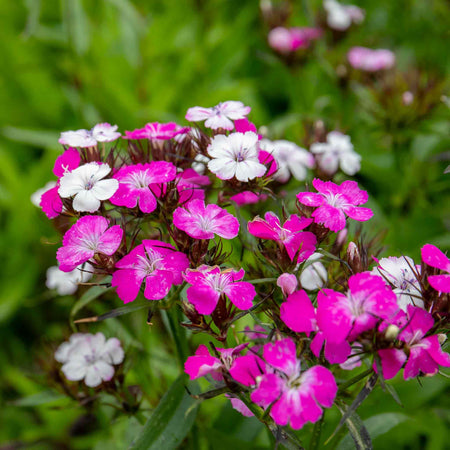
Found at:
[139, 180]
[218, 281]
[150, 263]
[336, 200]
[89, 184]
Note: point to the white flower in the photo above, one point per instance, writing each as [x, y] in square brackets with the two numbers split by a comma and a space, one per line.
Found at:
[399, 272]
[314, 275]
[87, 186]
[66, 283]
[340, 17]
[235, 155]
[89, 357]
[337, 152]
[199, 164]
[36, 196]
[218, 116]
[102, 132]
[290, 159]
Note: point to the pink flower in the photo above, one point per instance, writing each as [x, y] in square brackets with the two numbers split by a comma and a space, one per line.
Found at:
[88, 236]
[287, 282]
[433, 257]
[134, 184]
[190, 186]
[209, 283]
[66, 162]
[239, 406]
[203, 363]
[156, 131]
[156, 262]
[334, 201]
[425, 353]
[346, 316]
[219, 116]
[51, 202]
[244, 125]
[370, 60]
[286, 40]
[203, 222]
[289, 235]
[248, 198]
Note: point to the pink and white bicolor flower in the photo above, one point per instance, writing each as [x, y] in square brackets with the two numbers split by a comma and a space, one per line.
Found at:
[203, 222]
[89, 357]
[102, 132]
[370, 60]
[434, 257]
[425, 353]
[85, 238]
[219, 116]
[87, 186]
[235, 155]
[156, 262]
[134, 184]
[290, 235]
[334, 201]
[209, 283]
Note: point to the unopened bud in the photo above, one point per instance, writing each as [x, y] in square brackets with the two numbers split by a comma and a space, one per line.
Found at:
[354, 258]
[407, 98]
[288, 283]
[441, 338]
[341, 237]
[391, 332]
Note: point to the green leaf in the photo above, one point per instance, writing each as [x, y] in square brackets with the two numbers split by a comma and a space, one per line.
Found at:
[37, 138]
[114, 313]
[40, 398]
[171, 420]
[358, 436]
[90, 295]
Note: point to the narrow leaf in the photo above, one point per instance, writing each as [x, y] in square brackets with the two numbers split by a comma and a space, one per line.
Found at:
[40, 398]
[357, 430]
[114, 313]
[90, 295]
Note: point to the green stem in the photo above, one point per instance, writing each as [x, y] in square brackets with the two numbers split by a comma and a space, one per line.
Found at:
[354, 380]
[171, 319]
[317, 432]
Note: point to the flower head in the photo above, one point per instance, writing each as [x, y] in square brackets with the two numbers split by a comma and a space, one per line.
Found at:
[134, 184]
[433, 257]
[219, 116]
[314, 275]
[203, 222]
[209, 283]
[87, 186]
[102, 132]
[287, 40]
[370, 60]
[337, 152]
[89, 357]
[156, 131]
[66, 283]
[235, 155]
[290, 235]
[340, 17]
[156, 262]
[334, 201]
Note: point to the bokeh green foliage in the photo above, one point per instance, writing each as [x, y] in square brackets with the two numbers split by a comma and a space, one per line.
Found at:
[67, 64]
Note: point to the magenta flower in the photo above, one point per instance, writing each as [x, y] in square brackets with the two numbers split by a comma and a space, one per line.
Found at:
[156, 131]
[219, 116]
[88, 236]
[346, 316]
[287, 282]
[51, 202]
[156, 262]
[289, 235]
[425, 353]
[248, 198]
[134, 184]
[203, 222]
[287, 40]
[190, 186]
[66, 162]
[203, 363]
[209, 283]
[433, 257]
[370, 60]
[334, 201]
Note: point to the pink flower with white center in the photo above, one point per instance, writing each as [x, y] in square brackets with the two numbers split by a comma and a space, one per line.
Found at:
[134, 184]
[248, 198]
[156, 131]
[340, 17]
[289, 235]
[203, 222]
[369, 60]
[209, 283]
[156, 262]
[85, 238]
[433, 257]
[425, 353]
[337, 152]
[334, 201]
[203, 363]
[367, 300]
[287, 282]
[190, 186]
[314, 275]
[402, 274]
[104, 132]
[296, 396]
[66, 283]
[89, 357]
[235, 155]
[287, 40]
[87, 186]
[298, 313]
[219, 116]
[290, 159]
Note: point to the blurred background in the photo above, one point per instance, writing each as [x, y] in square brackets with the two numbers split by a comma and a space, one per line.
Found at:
[69, 64]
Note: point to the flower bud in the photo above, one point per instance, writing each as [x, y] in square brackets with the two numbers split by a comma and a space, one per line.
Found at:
[354, 258]
[288, 283]
[392, 332]
[407, 98]
[442, 338]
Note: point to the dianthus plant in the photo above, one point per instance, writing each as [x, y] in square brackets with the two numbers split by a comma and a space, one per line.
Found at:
[207, 220]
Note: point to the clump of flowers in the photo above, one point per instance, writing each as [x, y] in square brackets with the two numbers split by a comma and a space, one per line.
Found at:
[235, 241]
